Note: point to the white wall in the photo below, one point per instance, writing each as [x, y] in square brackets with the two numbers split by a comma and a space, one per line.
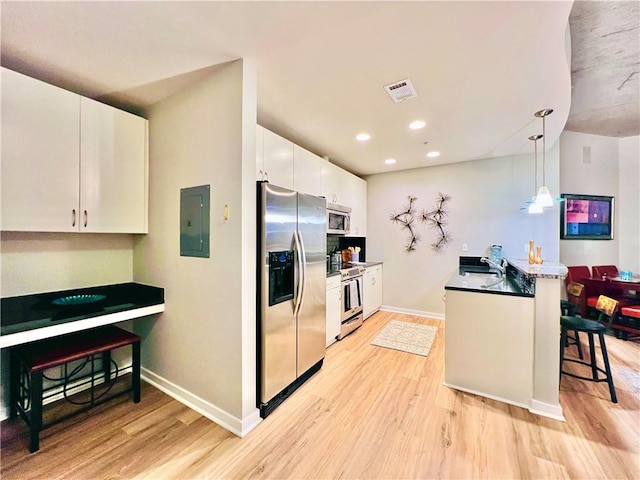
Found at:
[611, 168]
[203, 346]
[629, 204]
[32, 262]
[486, 197]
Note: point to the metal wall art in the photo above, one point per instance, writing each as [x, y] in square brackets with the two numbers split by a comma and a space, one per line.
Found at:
[436, 219]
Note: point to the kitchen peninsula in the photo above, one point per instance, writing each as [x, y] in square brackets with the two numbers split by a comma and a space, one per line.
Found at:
[502, 334]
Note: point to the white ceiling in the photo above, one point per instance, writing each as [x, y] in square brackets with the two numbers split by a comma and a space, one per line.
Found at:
[481, 69]
[605, 68]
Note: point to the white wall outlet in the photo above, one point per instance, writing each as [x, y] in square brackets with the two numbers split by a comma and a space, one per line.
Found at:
[526, 248]
[465, 247]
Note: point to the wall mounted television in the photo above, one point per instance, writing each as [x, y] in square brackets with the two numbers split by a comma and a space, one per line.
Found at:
[586, 217]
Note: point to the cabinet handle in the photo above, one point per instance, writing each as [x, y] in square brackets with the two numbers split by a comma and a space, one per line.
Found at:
[86, 218]
[73, 217]
[261, 175]
[266, 176]
[373, 281]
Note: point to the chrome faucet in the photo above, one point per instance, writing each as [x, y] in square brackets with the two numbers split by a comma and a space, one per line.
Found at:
[499, 268]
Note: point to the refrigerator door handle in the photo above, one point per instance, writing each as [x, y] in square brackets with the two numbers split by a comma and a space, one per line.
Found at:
[299, 286]
[304, 271]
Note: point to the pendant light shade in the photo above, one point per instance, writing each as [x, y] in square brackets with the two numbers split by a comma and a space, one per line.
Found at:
[544, 198]
[534, 207]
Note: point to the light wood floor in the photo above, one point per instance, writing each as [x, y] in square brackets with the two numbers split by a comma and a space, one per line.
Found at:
[370, 413]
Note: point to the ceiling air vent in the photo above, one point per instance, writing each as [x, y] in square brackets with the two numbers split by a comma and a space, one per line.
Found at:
[402, 90]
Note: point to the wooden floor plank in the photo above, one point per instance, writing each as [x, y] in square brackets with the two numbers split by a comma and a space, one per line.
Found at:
[369, 413]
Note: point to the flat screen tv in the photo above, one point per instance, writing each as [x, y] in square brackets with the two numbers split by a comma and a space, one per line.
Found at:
[586, 217]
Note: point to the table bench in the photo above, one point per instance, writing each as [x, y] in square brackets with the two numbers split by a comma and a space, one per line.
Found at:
[29, 361]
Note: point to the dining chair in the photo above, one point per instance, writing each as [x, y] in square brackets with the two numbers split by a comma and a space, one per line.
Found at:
[575, 274]
[604, 271]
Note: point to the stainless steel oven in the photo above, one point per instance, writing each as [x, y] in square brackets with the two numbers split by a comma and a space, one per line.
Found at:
[351, 309]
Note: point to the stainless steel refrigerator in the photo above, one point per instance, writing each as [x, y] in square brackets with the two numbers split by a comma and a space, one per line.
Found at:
[291, 291]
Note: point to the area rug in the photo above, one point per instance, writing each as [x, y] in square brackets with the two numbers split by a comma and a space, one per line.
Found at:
[406, 337]
[630, 377]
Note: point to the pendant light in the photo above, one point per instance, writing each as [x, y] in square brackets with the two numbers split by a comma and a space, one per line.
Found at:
[534, 207]
[543, 198]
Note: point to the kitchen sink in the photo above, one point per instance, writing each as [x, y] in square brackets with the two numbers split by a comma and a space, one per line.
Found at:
[480, 274]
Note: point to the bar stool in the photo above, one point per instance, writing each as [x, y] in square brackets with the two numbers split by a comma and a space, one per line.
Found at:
[569, 309]
[607, 307]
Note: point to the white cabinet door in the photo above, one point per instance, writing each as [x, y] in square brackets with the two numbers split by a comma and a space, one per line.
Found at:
[358, 204]
[334, 299]
[259, 153]
[372, 290]
[307, 171]
[278, 160]
[40, 164]
[336, 184]
[113, 174]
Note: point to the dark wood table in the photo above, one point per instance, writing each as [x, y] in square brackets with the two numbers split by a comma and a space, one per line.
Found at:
[613, 287]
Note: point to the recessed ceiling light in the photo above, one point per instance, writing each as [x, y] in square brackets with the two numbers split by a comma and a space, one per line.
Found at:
[433, 154]
[390, 161]
[417, 125]
[363, 137]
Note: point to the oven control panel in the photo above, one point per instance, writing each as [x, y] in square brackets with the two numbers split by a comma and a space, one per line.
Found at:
[347, 273]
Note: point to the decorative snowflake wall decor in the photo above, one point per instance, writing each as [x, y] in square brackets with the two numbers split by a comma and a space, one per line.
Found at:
[436, 219]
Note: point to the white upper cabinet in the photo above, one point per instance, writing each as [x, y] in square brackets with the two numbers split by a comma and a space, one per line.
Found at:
[334, 183]
[287, 165]
[113, 177]
[349, 190]
[358, 207]
[277, 160]
[259, 152]
[40, 166]
[307, 171]
[69, 163]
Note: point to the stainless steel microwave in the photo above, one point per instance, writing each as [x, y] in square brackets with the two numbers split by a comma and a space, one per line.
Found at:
[338, 219]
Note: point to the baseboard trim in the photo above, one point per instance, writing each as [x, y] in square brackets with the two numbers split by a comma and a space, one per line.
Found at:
[481, 394]
[546, 410]
[534, 406]
[229, 422]
[417, 313]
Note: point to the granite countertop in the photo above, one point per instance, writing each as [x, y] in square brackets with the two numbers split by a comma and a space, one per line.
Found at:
[52, 309]
[544, 270]
[477, 281]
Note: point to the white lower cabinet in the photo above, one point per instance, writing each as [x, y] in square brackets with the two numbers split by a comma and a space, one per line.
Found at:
[334, 297]
[372, 293]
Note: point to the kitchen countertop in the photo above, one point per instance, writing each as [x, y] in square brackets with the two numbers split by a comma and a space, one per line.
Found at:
[545, 270]
[33, 317]
[477, 281]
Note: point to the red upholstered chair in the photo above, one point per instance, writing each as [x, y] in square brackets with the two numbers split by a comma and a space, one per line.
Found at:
[629, 322]
[602, 271]
[586, 299]
[577, 273]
